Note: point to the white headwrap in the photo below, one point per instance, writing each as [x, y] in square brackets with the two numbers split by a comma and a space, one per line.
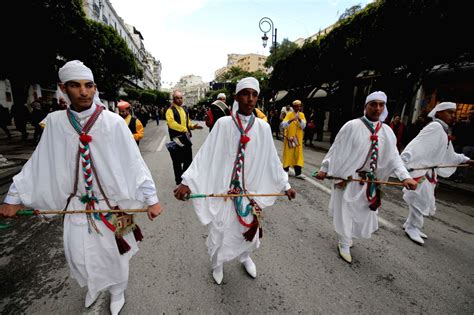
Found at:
[245, 83]
[440, 107]
[75, 70]
[221, 95]
[378, 96]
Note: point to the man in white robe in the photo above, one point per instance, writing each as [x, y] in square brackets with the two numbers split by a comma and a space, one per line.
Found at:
[52, 179]
[431, 147]
[213, 170]
[352, 155]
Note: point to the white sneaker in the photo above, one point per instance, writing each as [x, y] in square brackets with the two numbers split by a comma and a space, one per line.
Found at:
[218, 274]
[414, 235]
[250, 267]
[300, 176]
[116, 304]
[423, 235]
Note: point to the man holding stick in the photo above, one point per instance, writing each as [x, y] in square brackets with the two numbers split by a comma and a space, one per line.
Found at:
[238, 157]
[424, 157]
[364, 148]
[87, 159]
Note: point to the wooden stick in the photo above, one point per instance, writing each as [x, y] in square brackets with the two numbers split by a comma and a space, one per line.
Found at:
[192, 196]
[28, 212]
[367, 181]
[439, 166]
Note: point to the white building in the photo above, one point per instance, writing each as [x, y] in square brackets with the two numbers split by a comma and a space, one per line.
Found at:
[193, 89]
[102, 11]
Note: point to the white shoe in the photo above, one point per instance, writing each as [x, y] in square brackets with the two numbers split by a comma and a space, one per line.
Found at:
[414, 235]
[250, 267]
[116, 304]
[218, 274]
[90, 299]
[423, 235]
[344, 253]
[300, 176]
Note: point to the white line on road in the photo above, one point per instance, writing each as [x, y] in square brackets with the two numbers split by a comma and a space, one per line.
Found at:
[328, 191]
[162, 143]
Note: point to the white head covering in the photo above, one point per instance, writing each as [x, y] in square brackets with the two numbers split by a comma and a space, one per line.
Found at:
[221, 95]
[75, 70]
[60, 94]
[440, 107]
[378, 96]
[245, 83]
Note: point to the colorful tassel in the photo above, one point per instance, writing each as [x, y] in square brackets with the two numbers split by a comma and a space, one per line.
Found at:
[122, 245]
[137, 233]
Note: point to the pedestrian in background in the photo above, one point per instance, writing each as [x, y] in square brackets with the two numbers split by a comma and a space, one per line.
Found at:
[293, 124]
[179, 129]
[398, 128]
[133, 123]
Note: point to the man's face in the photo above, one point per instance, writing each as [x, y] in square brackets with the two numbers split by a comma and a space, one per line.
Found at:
[247, 99]
[124, 112]
[178, 98]
[374, 109]
[396, 119]
[296, 107]
[80, 92]
[448, 116]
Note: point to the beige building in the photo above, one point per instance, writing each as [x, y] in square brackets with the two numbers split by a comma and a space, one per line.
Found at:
[247, 62]
[301, 41]
[193, 89]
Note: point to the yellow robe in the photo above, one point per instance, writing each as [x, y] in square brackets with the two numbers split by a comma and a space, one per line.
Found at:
[293, 156]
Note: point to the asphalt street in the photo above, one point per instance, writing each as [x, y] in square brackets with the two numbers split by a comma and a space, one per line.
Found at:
[299, 270]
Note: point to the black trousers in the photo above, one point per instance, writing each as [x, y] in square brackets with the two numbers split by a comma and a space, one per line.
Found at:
[182, 158]
[296, 168]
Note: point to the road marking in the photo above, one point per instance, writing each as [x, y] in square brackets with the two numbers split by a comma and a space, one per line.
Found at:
[328, 191]
[318, 185]
[162, 143]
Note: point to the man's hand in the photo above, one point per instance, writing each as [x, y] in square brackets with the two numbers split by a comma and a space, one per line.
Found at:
[9, 211]
[321, 175]
[410, 183]
[291, 193]
[182, 192]
[153, 211]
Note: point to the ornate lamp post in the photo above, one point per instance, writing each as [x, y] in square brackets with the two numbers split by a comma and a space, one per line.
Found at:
[268, 26]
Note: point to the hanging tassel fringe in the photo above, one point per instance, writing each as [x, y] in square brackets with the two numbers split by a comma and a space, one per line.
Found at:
[122, 245]
[137, 233]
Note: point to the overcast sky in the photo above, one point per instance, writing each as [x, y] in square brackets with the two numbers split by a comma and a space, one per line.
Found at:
[195, 36]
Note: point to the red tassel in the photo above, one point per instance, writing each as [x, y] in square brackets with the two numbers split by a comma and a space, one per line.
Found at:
[250, 234]
[377, 202]
[122, 245]
[137, 232]
[85, 138]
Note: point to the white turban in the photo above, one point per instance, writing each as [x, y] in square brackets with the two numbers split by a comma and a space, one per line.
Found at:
[440, 107]
[245, 83]
[378, 96]
[221, 95]
[75, 70]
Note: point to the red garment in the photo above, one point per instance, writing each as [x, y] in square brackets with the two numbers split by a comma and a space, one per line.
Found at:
[398, 130]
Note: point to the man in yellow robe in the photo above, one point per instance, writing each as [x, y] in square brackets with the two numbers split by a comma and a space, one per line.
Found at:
[293, 124]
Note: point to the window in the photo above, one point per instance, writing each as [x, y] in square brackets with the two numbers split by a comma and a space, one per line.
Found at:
[104, 18]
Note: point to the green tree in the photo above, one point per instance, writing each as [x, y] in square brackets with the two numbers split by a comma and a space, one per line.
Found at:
[47, 33]
[282, 51]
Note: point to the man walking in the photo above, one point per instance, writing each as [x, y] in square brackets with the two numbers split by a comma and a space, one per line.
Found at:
[217, 109]
[179, 129]
[133, 123]
[87, 159]
[235, 224]
[364, 148]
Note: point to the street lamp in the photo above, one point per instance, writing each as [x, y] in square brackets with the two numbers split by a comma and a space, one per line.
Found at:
[271, 28]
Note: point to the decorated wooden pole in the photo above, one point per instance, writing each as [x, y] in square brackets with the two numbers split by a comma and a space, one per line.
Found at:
[193, 196]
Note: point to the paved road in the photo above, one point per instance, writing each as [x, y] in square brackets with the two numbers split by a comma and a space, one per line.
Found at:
[299, 270]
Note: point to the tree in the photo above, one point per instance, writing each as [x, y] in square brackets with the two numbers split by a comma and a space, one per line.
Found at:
[282, 51]
[350, 11]
[47, 33]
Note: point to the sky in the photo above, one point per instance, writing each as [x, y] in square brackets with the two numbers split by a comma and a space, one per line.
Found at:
[195, 36]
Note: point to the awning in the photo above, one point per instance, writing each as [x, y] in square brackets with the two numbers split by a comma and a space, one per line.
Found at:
[317, 92]
[279, 95]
